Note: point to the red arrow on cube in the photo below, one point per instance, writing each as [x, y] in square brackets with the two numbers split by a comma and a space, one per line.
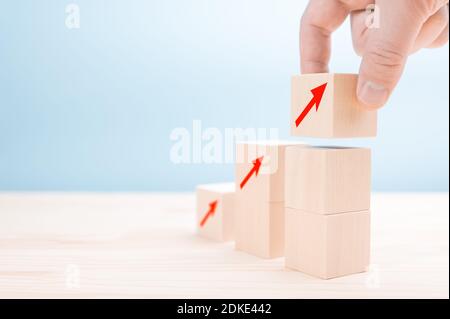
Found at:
[255, 169]
[316, 99]
[210, 213]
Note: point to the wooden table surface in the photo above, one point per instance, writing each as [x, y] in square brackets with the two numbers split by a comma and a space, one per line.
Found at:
[74, 245]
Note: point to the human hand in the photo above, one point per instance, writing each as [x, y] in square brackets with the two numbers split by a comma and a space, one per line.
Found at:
[405, 27]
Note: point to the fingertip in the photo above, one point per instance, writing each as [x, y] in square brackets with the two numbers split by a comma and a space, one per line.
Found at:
[314, 67]
[372, 95]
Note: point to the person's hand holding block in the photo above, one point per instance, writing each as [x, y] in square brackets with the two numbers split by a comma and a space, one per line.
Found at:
[325, 105]
[215, 211]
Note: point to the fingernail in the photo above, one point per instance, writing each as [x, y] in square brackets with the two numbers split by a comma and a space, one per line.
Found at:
[373, 95]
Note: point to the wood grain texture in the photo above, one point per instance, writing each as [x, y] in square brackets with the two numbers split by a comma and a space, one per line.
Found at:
[145, 246]
[328, 180]
[259, 227]
[339, 115]
[327, 246]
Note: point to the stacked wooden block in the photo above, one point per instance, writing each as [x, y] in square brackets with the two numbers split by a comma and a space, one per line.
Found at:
[309, 204]
[327, 210]
[328, 188]
[259, 198]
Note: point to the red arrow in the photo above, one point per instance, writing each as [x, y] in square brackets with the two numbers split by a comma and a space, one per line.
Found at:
[255, 169]
[317, 97]
[210, 213]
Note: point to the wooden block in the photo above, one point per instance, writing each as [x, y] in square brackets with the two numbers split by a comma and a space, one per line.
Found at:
[328, 180]
[268, 184]
[327, 246]
[215, 211]
[259, 214]
[259, 227]
[339, 114]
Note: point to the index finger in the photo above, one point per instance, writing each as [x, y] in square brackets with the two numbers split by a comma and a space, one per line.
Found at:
[320, 20]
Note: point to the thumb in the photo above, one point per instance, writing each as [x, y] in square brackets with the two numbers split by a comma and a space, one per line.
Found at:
[387, 49]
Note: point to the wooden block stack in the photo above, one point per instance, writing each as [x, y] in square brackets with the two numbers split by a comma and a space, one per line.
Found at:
[327, 210]
[215, 210]
[328, 188]
[259, 204]
[310, 204]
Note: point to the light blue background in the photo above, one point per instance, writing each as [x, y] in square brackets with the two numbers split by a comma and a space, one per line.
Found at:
[92, 109]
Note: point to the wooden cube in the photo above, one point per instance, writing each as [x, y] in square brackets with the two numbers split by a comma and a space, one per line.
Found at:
[339, 113]
[328, 180]
[259, 227]
[267, 182]
[215, 211]
[327, 246]
[259, 214]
